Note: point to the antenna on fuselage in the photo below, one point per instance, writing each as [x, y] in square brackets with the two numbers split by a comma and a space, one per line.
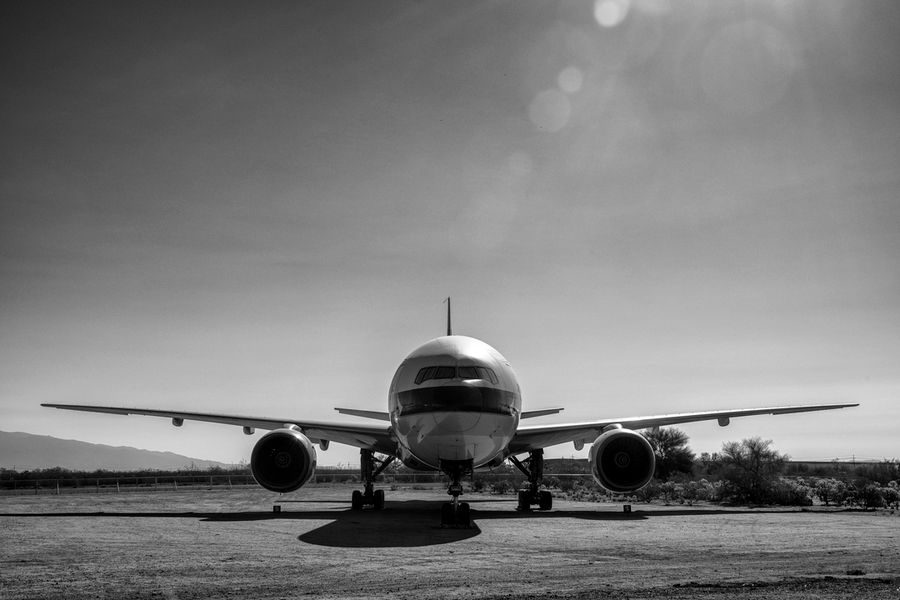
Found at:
[449, 329]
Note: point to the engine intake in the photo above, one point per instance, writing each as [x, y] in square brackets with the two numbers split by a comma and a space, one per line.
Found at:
[622, 460]
[283, 460]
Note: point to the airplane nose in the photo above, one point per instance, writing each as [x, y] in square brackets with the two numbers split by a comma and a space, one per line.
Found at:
[456, 422]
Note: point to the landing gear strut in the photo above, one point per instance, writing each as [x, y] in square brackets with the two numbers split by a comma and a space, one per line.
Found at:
[533, 468]
[370, 467]
[456, 513]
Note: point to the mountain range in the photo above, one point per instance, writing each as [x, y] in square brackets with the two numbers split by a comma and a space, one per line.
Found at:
[25, 451]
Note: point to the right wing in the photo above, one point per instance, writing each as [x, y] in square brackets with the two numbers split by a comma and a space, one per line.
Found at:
[373, 437]
[533, 437]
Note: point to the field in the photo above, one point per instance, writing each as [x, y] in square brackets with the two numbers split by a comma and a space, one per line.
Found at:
[227, 543]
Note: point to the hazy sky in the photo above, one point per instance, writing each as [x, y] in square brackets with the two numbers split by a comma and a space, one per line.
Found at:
[258, 208]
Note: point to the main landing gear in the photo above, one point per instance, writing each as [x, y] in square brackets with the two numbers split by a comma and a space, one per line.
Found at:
[456, 513]
[533, 468]
[370, 468]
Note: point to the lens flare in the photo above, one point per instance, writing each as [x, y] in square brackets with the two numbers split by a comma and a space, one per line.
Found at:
[550, 110]
[611, 13]
[570, 80]
[747, 67]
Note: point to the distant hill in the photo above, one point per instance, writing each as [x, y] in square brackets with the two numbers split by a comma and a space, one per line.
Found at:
[25, 451]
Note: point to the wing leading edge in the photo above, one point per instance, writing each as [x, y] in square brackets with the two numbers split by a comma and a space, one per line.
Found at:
[533, 437]
[373, 437]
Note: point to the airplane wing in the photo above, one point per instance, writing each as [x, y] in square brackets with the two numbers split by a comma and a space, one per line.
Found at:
[533, 437]
[373, 437]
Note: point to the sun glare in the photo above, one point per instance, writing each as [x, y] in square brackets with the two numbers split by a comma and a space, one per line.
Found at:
[570, 79]
[610, 13]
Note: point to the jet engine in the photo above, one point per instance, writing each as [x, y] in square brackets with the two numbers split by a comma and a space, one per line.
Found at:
[283, 460]
[622, 460]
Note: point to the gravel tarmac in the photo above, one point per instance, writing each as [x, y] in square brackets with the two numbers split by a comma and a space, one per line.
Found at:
[227, 543]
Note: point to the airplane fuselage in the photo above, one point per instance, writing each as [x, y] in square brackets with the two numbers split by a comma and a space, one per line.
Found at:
[454, 400]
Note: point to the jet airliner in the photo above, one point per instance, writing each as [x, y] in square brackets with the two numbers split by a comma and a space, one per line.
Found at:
[454, 405]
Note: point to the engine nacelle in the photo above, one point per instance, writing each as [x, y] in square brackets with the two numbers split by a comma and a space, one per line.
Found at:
[283, 460]
[622, 460]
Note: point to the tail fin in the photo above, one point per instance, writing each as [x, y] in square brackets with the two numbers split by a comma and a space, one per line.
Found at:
[449, 329]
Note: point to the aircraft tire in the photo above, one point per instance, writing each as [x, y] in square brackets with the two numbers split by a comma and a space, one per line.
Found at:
[524, 500]
[463, 516]
[545, 500]
[356, 501]
[447, 519]
[378, 500]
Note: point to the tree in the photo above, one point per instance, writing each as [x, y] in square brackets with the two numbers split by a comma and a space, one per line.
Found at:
[750, 469]
[672, 453]
[830, 490]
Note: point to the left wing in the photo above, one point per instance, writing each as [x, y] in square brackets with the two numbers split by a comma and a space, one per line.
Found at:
[372, 437]
[533, 437]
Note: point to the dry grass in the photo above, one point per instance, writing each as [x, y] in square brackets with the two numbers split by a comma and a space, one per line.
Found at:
[223, 543]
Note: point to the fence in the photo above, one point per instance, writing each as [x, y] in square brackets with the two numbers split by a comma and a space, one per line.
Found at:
[16, 484]
[25, 484]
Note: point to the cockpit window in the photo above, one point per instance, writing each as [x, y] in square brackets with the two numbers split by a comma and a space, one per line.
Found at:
[485, 373]
[467, 372]
[427, 373]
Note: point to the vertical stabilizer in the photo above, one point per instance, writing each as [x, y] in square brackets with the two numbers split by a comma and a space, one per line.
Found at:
[449, 328]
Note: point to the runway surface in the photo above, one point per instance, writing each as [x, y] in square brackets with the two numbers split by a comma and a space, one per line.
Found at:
[221, 543]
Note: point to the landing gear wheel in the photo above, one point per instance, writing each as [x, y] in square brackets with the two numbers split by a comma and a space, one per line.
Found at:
[463, 517]
[533, 468]
[524, 500]
[545, 500]
[370, 467]
[460, 518]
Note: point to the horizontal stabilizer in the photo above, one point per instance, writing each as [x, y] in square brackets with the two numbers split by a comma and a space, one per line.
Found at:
[539, 413]
[368, 414]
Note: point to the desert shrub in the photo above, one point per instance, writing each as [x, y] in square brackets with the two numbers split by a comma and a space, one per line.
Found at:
[787, 492]
[648, 493]
[749, 470]
[891, 495]
[673, 456]
[566, 484]
[830, 491]
[710, 491]
[692, 491]
[866, 495]
[670, 491]
[500, 487]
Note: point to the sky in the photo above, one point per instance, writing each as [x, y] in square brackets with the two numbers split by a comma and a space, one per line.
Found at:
[647, 206]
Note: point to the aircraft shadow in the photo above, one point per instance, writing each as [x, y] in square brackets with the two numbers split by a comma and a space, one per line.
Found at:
[409, 523]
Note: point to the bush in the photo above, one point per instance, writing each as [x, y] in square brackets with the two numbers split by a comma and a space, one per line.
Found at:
[648, 493]
[750, 470]
[830, 490]
[866, 495]
[500, 487]
[791, 493]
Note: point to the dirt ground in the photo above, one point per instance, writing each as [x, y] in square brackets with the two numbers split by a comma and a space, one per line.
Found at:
[222, 543]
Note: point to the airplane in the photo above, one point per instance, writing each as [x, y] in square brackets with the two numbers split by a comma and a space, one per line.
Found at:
[454, 405]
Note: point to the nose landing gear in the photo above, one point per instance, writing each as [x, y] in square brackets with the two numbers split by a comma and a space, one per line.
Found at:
[455, 513]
